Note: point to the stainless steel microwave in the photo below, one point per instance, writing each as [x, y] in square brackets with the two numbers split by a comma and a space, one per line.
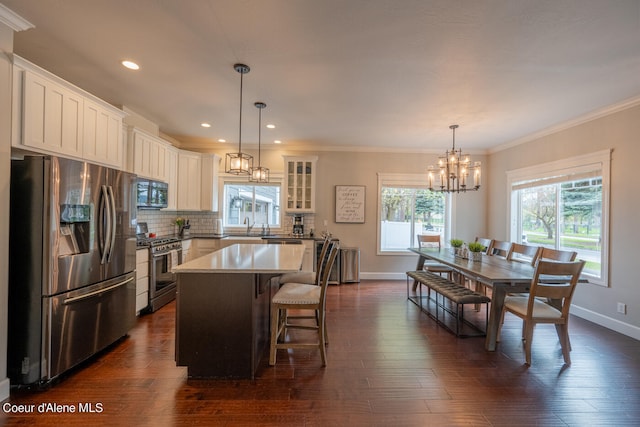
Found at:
[152, 194]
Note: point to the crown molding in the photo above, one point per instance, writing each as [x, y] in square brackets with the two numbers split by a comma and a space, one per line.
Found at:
[12, 20]
[593, 115]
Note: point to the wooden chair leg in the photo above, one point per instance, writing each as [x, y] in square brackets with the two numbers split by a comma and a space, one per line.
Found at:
[563, 336]
[275, 327]
[322, 337]
[528, 337]
[559, 331]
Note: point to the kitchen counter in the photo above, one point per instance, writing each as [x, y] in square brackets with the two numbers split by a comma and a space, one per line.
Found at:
[223, 308]
[256, 236]
[247, 258]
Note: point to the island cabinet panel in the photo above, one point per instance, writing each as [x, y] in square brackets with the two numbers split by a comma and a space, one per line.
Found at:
[222, 323]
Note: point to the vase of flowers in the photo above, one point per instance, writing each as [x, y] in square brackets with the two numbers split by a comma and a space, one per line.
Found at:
[183, 226]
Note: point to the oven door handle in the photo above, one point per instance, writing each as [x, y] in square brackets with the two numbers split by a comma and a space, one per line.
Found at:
[96, 292]
[166, 253]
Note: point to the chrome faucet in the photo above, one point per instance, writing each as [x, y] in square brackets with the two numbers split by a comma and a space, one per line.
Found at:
[249, 226]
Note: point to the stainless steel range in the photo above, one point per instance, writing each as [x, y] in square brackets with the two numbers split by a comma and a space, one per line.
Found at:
[164, 254]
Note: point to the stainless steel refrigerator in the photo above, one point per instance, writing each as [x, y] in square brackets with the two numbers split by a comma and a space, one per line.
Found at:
[71, 264]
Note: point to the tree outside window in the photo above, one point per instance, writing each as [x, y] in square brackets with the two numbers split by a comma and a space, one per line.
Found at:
[406, 212]
[563, 205]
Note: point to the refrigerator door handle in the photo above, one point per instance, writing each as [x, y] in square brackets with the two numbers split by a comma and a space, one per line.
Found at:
[96, 292]
[105, 221]
[112, 214]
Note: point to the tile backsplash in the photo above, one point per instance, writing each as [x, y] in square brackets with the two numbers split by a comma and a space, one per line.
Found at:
[163, 222]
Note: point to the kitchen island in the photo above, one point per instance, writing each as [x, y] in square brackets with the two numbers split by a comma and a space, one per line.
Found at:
[223, 308]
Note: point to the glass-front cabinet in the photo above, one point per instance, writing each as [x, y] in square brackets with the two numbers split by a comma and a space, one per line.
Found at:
[300, 184]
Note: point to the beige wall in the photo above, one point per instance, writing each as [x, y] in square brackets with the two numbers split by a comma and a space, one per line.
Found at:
[361, 168]
[619, 131]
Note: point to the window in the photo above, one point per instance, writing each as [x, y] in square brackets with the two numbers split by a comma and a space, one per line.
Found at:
[564, 205]
[407, 208]
[253, 204]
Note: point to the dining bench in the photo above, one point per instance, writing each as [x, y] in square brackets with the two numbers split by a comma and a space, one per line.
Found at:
[450, 298]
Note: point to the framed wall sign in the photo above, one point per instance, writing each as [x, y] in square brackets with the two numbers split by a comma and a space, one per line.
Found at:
[350, 203]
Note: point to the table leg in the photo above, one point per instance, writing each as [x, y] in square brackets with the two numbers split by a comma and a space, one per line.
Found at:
[497, 302]
[419, 267]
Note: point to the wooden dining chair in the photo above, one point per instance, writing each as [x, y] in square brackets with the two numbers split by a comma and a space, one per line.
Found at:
[308, 277]
[305, 297]
[547, 303]
[557, 255]
[433, 241]
[499, 248]
[487, 243]
[524, 253]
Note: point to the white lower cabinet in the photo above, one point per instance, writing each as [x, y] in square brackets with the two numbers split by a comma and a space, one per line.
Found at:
[142, 279]
[201, 247]
[232, 240]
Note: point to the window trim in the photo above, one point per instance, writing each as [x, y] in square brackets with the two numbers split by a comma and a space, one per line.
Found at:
[409, 180]
[571, 166]
[226, 178]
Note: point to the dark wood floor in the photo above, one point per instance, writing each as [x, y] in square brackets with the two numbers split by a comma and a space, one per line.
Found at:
[388, 365]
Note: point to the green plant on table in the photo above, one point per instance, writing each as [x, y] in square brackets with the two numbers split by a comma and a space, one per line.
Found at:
[456, 243]
[475, 247]
[180, 222]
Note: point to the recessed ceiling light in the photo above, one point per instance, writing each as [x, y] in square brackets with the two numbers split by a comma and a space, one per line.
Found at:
[277, 141]
[270, 126]
[205, 125]
[131, 65]
[222, 140]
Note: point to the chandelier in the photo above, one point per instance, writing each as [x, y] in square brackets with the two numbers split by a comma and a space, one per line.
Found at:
[454, 170]
[259, 174]
[239, 163]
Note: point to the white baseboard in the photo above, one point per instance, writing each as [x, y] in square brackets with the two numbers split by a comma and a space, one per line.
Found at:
[4, 389]
[383, 276]
[606, 322]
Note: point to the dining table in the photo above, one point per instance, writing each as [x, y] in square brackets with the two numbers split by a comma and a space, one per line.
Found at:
[501, 275]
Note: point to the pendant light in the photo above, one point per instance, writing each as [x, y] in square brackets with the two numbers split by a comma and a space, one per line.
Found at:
[454, 171]
[239, 163]
[259, 174]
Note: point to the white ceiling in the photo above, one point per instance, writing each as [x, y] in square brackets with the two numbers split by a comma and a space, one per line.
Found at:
[343, 74]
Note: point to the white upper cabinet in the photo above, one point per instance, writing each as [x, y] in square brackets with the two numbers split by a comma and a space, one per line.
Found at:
[300, 184]
[53, 116]
[102, 130]
[197, 181]
[171, 174]
[189, 180]
[148, 155]
[209, 190]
